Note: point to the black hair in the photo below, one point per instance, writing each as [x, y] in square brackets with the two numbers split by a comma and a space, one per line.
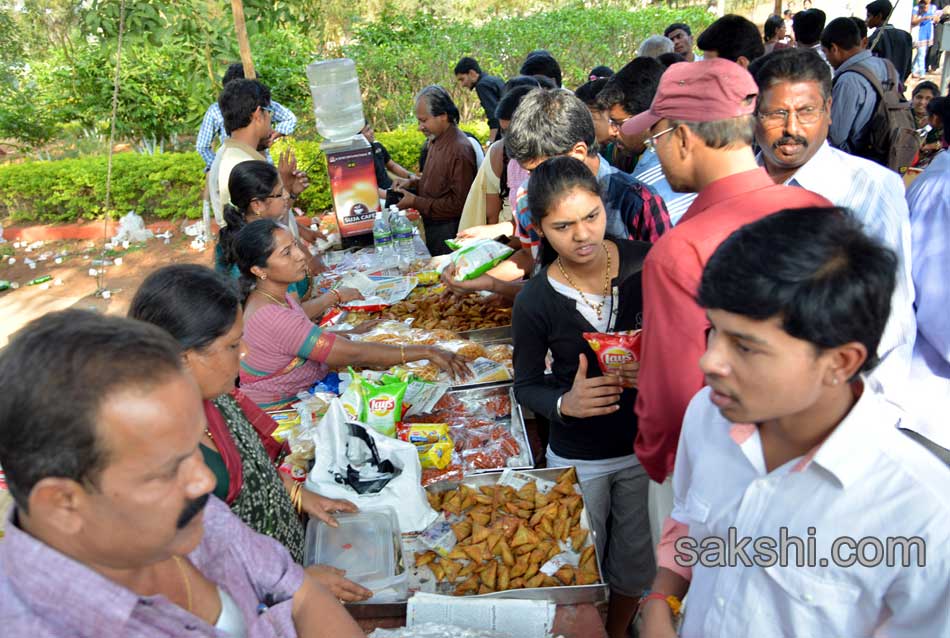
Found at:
[842, 32]
[253, 246]
[881, 8]
[791, 65]
[926, 85]
[861, 25]
[249, 181]
[815, 269]
[669, 59]
[940, 106]
[56, 374]
[238, 101]
[521, 80]
[510, 100]
[235, 72]
[807, 26]
[192, 303]
[732, 37]
[549, 123]
[588, 91]
[634, 86]
[552, 179]
[601, 71]
[541, 62]
[772, 24]
[677, 26]
[439, 102]
[467, 64]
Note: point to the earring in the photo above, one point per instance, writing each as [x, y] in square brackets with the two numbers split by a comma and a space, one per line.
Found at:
[264, 276]
[834, 380]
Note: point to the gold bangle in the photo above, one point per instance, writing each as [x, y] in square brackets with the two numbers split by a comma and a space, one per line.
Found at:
[402, 353]
[339, 297]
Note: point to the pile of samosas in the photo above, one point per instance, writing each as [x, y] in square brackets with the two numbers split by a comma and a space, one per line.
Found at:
[506, 536]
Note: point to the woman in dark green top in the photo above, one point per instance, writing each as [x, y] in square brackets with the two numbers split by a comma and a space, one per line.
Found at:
[201, 309]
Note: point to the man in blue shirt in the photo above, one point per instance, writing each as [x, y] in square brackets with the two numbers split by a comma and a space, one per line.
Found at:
[853, 97]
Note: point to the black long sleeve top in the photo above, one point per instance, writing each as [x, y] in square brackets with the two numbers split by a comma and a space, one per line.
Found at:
[543, 320]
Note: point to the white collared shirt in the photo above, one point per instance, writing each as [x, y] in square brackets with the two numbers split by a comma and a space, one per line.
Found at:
[865, 480]
[875, 197]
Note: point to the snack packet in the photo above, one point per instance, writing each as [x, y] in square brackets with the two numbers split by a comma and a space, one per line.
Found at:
[383, 407]
[478, 258]
[286, 421]
[352, 398]
[613, 349]
[423, 433]
[436, 456]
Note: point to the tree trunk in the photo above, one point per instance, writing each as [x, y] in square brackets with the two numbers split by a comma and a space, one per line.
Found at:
[237, 7]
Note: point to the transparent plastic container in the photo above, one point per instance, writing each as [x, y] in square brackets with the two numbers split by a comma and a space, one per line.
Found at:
[337, 103]
[365, 547]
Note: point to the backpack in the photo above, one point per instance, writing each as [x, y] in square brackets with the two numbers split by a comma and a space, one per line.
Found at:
[892, 138]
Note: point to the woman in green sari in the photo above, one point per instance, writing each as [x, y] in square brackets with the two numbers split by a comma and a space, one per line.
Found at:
[201, 309]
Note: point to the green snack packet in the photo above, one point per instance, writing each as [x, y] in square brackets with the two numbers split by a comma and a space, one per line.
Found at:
[478, 258]
[383, 407]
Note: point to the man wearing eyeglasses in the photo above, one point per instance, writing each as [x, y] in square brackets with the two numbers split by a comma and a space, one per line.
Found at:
[247, 112]
[792, 121]
[700, 124]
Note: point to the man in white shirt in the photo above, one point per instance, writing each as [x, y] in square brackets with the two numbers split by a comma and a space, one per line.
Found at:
[793, 117]
[799, 509]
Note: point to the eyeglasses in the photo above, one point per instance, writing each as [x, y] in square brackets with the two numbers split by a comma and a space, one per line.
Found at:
[650, 142]
[618, 123]
[806, 116]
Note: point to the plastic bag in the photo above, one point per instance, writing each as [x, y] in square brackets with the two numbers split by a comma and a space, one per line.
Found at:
[476, 259]
[132, 229]
[614, 349]
[344, 458]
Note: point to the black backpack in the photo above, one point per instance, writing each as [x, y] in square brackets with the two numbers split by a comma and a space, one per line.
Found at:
[892, 138]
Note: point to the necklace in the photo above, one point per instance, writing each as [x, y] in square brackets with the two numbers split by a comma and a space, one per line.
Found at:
[599, 307]
[184, 577]
[273, 298]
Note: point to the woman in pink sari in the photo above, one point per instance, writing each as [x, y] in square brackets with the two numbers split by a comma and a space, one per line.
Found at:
[287, 352]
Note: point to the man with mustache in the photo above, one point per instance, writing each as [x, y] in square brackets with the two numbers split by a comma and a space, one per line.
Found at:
[113, 532]
[793, 115]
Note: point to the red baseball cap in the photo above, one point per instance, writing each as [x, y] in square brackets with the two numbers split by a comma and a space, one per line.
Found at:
[704, 91]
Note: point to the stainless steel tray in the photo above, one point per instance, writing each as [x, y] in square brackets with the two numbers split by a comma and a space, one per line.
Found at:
[525, 461]
[421, 579]
[488, 336]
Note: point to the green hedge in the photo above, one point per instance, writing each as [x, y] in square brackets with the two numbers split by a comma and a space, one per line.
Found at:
[165, 185]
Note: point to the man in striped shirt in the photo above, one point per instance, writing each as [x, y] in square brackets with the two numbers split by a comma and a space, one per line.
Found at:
[627, 93]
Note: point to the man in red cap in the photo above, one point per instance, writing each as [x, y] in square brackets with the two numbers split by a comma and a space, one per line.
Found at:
[701, 126]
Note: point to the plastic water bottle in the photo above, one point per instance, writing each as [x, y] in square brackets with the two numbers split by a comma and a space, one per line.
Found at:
[402, 238]
[337, 103]
[382, 236]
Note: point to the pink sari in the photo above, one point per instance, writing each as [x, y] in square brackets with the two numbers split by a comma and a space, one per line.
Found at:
[286, 354]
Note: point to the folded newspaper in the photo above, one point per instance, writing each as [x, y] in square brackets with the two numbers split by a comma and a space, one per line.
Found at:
[434, 616]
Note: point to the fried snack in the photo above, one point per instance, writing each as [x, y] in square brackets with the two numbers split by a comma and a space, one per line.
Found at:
[435, 500]
[505, 535]
[434, 311]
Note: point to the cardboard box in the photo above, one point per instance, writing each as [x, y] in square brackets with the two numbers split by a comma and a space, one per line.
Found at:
[353, 185]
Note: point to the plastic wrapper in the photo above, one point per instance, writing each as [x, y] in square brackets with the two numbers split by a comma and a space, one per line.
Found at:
[423, 433]
[436, 456]
[478, 258]
[286, 421]
[452, 472]
[614, 349]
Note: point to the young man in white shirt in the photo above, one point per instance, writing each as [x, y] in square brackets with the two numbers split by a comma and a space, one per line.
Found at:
[792, 452]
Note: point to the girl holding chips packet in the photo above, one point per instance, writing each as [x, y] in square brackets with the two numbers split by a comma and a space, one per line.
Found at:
[591, 284]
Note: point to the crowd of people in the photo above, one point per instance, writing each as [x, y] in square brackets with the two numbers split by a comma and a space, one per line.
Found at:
[733, 197]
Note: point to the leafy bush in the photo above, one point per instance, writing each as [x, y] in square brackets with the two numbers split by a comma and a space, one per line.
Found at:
[166, 185]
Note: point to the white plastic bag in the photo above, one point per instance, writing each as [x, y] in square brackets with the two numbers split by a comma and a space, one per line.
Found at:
[342, 453]
[132, 229]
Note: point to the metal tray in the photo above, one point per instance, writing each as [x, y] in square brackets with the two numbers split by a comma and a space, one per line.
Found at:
[516, 425]
[420, 579]
[488, 336]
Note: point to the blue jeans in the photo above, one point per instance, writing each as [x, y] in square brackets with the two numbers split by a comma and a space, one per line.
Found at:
[920, 60]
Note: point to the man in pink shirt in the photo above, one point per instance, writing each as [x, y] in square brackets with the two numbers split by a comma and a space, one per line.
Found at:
[701, 126]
